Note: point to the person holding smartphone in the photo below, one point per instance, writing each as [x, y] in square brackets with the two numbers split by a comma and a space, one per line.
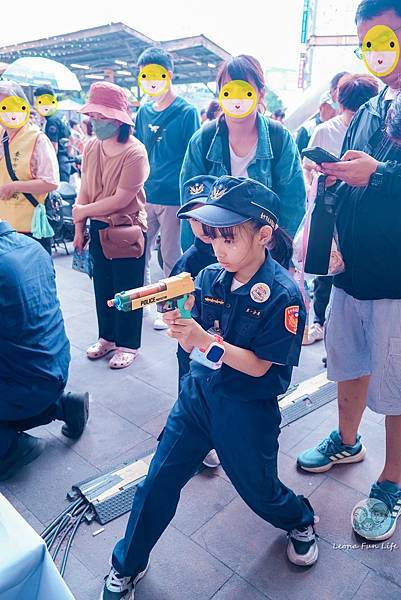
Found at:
[353, 92]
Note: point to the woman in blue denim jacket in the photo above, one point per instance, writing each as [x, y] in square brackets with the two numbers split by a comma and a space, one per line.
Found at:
[245, 145]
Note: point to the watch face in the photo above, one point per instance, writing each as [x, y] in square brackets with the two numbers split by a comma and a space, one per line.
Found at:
[215, 354]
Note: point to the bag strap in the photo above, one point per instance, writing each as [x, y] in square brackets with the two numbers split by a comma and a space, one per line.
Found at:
[149, 145]
[11, 171]
[276, 132]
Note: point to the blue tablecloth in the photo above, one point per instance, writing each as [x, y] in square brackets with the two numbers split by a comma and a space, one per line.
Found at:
[27, 571]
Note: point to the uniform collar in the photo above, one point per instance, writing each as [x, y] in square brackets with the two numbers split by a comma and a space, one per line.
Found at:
[5, 228]
[265, 274]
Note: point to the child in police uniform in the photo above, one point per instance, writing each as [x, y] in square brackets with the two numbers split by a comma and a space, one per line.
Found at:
[231, 404]
[195, 258]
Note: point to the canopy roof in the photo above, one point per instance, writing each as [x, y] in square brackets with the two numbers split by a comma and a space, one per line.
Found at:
[111, 51]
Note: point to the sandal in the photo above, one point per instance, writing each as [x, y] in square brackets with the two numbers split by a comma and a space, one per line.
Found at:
[100, 348]
[124, 357]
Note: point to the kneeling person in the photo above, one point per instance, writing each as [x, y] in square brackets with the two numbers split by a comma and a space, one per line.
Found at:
[34, 353]
[232, 408]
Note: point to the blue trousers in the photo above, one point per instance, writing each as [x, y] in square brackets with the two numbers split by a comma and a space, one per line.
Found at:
[245, 435]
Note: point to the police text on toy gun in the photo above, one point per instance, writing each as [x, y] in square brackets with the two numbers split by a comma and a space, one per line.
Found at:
[168, 294]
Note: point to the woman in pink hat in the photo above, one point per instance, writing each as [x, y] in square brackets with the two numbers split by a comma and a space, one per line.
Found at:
[114, 170]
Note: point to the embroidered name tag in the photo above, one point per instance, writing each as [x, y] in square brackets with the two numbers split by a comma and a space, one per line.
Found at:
[212, 300]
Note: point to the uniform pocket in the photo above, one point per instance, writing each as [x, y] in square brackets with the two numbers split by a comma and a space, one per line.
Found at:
[391, 381]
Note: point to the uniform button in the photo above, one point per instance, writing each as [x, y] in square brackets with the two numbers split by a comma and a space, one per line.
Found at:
[228, 305]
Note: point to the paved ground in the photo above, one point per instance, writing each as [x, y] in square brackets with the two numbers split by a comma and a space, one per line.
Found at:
[215, 547]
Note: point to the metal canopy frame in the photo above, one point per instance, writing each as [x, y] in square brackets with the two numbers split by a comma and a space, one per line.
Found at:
[196, 57]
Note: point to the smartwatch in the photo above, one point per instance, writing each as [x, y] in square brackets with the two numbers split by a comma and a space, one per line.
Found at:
[376, 179]
[211, 356]
[215, 351]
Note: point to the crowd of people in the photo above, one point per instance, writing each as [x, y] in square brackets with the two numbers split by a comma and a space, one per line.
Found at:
[227, 197]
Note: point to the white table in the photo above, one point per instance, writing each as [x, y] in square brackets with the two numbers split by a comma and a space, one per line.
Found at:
[27, 571]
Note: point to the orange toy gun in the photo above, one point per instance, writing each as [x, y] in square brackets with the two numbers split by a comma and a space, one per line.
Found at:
[168, 294]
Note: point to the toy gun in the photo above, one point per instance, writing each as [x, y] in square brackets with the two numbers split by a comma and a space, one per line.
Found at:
[168, 294]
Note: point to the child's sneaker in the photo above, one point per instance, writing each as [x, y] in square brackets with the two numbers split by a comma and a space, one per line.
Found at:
[375, 518]
[302, 549]
[119, 587]
[331, 451]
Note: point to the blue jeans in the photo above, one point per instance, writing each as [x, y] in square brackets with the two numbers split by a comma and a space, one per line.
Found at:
[245, 435]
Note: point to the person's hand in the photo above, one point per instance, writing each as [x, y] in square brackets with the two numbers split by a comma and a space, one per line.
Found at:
[79, 213]
[79, 240]
[355, 168]
[7, 190]
[186, 331]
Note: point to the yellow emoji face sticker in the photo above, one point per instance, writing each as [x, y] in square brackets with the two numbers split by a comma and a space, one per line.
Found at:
[154, 80]
[380, 50]
[14, 112]
[46, 105]
[238, 99]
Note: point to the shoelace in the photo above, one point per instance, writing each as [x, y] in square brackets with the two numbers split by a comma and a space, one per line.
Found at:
[379, 493]
[116, 583]
[328, 447]
[305, 535]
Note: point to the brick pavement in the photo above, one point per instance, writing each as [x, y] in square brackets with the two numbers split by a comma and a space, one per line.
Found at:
[215, 547]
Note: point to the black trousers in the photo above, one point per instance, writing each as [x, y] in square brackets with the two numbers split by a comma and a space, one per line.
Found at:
[109, 278]
[26, 405]
[321, 297]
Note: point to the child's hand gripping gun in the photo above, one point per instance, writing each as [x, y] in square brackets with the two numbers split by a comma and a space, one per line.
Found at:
[168, 294]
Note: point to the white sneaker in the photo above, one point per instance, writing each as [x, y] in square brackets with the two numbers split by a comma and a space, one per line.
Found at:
[302, 549]
[159, 324]
[315, 334]
[211, 460]
[118, 587]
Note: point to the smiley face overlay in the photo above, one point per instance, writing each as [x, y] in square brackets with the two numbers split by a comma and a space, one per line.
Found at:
[380, 50]
[46, 105]
[14, 112]
[238, 98]
[154, 80]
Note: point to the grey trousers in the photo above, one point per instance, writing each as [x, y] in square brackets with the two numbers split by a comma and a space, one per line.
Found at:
[164, 219]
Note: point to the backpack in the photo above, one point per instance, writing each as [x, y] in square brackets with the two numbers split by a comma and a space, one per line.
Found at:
[209, 130]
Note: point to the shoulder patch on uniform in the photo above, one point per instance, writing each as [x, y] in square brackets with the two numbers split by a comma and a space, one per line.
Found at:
[212, 300]
[291, 315]
[260, 292]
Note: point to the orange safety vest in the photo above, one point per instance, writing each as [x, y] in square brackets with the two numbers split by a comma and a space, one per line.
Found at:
[18, 211]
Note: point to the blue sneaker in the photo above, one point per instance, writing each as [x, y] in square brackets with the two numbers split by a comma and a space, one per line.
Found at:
[331, 451]
[375, 518]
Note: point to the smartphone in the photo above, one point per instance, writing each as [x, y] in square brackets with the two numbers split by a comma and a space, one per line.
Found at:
[318, 155]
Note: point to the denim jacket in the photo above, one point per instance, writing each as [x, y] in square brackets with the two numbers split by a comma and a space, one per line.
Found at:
[287, 180]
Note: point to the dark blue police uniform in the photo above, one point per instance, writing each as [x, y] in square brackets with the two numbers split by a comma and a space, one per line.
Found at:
[34, 349]
[226, 409]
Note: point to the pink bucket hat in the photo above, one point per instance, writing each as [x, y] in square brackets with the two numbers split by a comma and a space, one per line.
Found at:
[109, 100]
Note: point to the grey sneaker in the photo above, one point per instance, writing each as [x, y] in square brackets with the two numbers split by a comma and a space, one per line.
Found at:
[302, 549]
[118, 587]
